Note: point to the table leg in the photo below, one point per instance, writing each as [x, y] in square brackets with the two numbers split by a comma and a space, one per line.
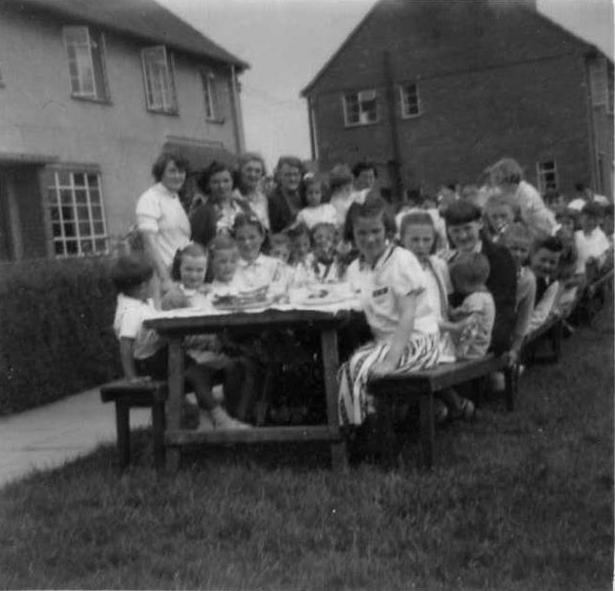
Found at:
[330, 361]
[175, 399]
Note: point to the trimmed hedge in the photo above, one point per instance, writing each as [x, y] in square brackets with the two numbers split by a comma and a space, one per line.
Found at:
[56, 337]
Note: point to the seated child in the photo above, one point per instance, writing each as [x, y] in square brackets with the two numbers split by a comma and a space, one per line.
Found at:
[518, 239]
[543, 262]
[316, 212]
[254, 269]
[391, 286]
[142, 352]
[301, 257]
[499, 213]
[327, 265]
[418, 235]
[464, 226]
[591, 242]
[223, 262]
[279, 247]
[472, 322]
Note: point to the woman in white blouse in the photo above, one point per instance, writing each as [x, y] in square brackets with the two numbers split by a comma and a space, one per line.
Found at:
[161, 219]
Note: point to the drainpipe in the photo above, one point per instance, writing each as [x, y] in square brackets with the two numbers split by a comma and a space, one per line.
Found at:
[395, 145]
[237, 116]
[312, 124]
[593, 157]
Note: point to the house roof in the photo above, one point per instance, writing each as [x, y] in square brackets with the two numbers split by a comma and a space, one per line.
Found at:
[144, 19]
[530, 6]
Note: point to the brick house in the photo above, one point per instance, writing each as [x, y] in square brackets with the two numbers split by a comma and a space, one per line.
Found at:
[434, 91]
[90, 93]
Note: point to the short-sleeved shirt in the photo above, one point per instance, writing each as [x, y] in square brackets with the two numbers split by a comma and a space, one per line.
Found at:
[382, 287]
[324, 213]
[438, 285]
[160, 211]
[534, 212]
[481, 307]
[130, 313]
[595, 245]
[265, 270]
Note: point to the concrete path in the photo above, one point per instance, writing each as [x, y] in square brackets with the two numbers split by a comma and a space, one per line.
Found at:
[50, 435]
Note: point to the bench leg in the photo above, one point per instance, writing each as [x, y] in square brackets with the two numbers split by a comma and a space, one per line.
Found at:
[510, 388]
[158, 427]
[427, 429]
[122, 423]
[385, 431]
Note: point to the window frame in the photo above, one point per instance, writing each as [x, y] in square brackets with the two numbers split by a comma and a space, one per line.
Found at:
[358, 93]
[77, 240]
[610, 91]
[541, 174]
[404, 104]
[95, 45]
[169, 65]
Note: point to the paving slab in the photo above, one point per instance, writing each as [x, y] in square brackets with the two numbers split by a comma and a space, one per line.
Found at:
[49, 436]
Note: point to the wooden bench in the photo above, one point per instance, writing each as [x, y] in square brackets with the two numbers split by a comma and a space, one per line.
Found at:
[138, 394]
[551, 331]
[421, 386]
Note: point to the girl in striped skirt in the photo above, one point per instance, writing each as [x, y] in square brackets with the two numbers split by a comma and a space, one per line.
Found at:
[391, 286]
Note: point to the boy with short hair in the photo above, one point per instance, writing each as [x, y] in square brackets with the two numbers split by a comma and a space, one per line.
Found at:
[544, 263]
[464, 226]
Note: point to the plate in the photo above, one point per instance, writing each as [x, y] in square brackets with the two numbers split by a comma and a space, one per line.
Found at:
[330, 298]
[238, 307]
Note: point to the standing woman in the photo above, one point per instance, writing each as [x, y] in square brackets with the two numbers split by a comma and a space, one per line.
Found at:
[249, 190]
[217, 216]
[286, 201]
[161, 219]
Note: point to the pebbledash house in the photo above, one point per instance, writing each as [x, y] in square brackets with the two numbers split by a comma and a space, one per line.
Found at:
[90, 93]
[436, 90]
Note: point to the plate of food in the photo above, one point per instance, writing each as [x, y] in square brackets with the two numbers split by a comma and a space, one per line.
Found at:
[243, 300]
[322, 297]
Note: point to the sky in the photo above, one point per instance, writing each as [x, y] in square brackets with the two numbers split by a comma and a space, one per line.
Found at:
[286, 42]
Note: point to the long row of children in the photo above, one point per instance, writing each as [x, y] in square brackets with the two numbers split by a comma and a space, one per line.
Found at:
[500, 278]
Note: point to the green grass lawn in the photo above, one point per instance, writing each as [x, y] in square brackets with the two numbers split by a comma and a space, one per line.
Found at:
[517, 501]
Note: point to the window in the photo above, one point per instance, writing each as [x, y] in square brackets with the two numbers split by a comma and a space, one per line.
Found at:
[76, 212]
[547, 175]
[360, 108]
[601, 83]
[159, 82]
[86, 64]
[410, 104]
[209, 95]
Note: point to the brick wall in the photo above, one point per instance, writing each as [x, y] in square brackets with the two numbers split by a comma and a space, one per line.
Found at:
[492, 82]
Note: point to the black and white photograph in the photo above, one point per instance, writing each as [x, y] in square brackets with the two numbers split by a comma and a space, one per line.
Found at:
[307, 295]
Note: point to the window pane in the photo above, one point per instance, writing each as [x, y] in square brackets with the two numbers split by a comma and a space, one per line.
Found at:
[83, 213]
[59, 247]
[94, 196]
[56, 229]
[87, 247]
[100, 245]
[69, 229]
[71, 247]
[99, 228]
[81, 196]
[97, 212]
[84, 229]
[66, 196]
[55, 214]
[79, 179]
[63, 178]
[92, 181]
[68, 213]
[52, 196]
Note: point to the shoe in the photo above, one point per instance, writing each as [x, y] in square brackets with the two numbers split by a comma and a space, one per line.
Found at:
[205, 421]
[440, 411]
[222, 421]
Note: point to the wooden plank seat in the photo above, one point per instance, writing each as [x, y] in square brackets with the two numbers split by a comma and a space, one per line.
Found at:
[137, 394]
[420, 387]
